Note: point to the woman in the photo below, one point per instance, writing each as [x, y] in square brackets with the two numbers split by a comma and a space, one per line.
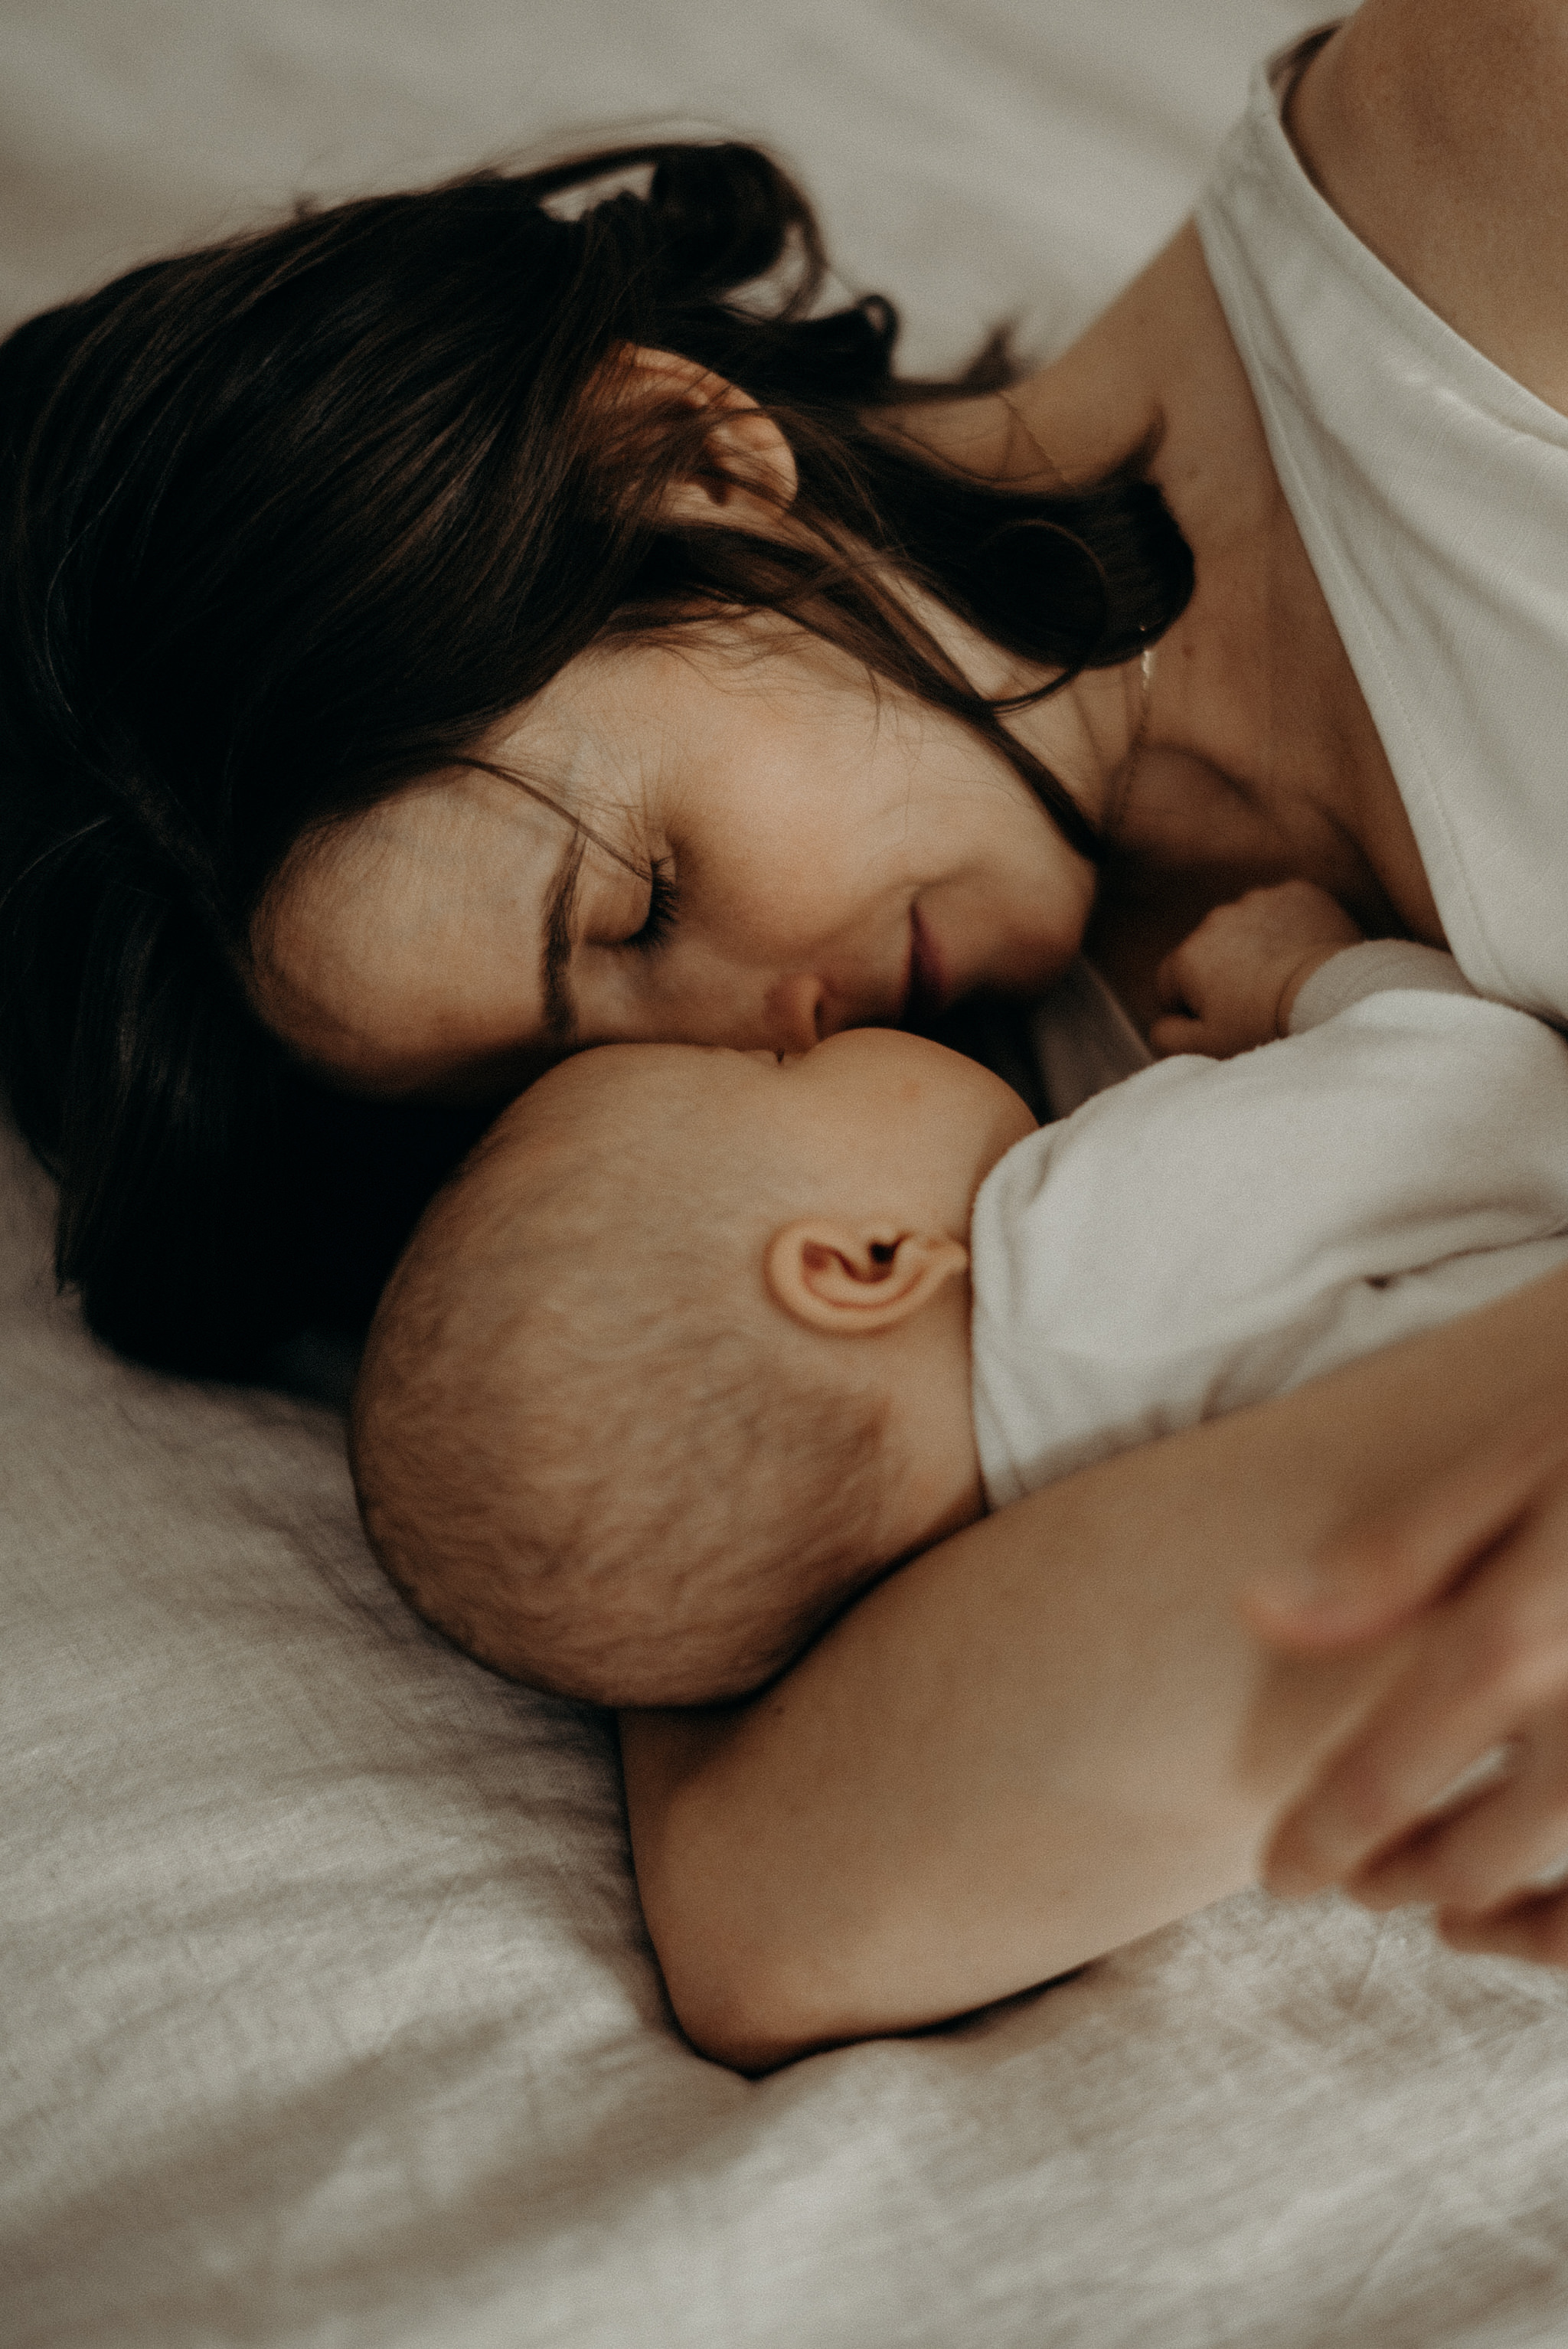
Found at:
[363, 741]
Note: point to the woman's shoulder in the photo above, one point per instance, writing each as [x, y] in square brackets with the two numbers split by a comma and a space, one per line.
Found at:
[1414, 441]
[1439, 133]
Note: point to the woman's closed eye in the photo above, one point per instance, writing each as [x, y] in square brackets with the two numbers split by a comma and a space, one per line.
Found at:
[664, 901]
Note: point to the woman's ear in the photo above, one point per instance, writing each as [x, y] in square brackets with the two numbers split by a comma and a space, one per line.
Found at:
[749, 477]
[846, 1278]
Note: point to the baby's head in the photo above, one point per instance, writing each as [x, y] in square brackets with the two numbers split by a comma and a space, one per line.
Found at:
[679, 1361]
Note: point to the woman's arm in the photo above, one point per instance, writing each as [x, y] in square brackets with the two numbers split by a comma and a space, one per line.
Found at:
[1051, 1733]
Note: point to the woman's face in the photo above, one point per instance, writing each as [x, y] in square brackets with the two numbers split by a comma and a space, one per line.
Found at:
[825, 856]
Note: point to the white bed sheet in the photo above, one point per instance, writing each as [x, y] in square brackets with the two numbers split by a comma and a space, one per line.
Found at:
[327, 2017]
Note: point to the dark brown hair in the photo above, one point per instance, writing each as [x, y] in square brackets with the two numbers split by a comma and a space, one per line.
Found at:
[292, 520]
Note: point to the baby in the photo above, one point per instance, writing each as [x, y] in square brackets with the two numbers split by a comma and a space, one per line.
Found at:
[699, 1343]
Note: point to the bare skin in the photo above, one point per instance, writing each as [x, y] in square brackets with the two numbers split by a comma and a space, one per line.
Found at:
[1440, 141]
[405, 958]
[913, 1849]
[1012, 1757]
[1439, 133]
[1261, 761]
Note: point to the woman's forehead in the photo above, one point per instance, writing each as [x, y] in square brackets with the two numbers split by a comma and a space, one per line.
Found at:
[465, 832]
[408, 934]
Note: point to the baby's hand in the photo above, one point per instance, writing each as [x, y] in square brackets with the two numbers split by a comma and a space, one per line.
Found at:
[1232, 983]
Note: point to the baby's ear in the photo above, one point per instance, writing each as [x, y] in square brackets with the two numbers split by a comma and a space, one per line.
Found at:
[846, 1278]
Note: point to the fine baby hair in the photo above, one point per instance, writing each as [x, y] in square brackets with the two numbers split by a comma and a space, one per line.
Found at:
[588, 1446]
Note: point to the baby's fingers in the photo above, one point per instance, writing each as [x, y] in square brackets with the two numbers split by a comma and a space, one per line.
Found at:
[1178, 1031]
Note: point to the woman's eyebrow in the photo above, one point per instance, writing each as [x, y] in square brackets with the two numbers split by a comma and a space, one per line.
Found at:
[560, 899]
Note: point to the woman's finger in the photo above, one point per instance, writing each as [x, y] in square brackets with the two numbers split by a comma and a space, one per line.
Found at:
[1381, 1575]
[1491, 1658]
[1493, 1852]
[1536, 1929]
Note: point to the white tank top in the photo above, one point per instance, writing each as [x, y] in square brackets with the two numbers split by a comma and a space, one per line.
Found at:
[1431, 492]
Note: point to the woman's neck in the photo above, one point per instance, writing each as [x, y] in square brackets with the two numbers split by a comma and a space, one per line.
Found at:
[1259, 758]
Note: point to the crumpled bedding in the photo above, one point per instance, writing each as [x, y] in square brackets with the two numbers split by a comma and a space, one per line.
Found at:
[328, 2019]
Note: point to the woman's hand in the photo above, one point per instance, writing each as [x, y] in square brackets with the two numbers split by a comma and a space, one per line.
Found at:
[1232, 983]
[1454, 1790]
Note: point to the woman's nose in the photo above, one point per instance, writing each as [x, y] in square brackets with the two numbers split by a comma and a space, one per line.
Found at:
[793, 1010]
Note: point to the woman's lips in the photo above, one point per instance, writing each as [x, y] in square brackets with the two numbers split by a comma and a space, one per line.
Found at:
[926, 998]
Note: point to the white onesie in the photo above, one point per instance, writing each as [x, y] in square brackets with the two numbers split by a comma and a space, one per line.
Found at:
[1209, 1233]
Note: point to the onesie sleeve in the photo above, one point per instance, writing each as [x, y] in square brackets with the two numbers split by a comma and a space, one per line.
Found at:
[1378, 967]
[1210, 1233]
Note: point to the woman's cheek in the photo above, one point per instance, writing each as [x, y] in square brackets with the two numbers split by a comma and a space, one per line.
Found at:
[676, 993]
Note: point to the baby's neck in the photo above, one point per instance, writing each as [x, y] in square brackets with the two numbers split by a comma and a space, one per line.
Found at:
[933, 1484]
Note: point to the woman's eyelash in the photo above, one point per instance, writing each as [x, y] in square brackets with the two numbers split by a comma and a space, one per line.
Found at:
[664, 898]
